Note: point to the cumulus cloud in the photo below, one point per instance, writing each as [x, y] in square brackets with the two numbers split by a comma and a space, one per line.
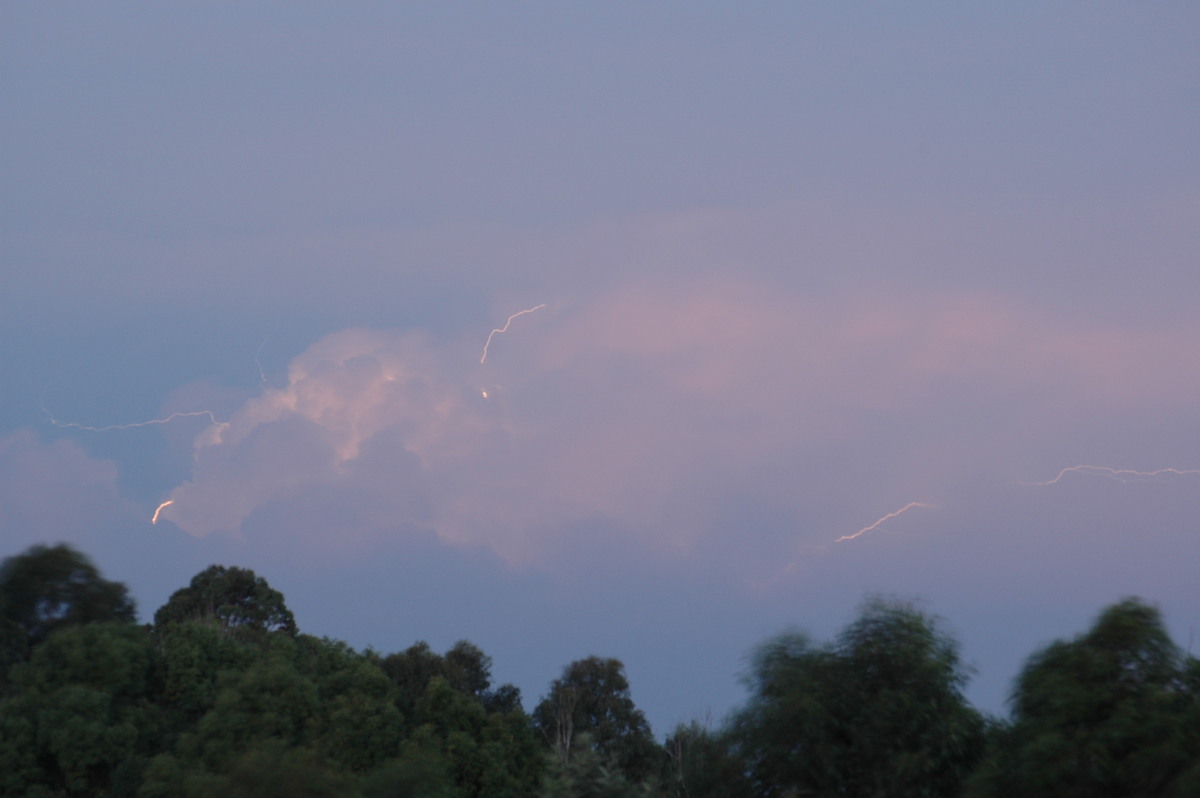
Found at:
[648, 411]
[56, 491]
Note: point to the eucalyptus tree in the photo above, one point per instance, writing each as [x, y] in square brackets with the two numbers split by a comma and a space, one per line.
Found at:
[1113, 712]
[877, 712]
[81, 719]
[52, 587]
[702, 762]
[234, 599]
[592, 698]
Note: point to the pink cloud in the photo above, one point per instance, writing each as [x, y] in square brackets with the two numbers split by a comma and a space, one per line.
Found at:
[56, 491]
[648, 406]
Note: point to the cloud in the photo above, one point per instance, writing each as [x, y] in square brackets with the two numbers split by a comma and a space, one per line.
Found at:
[56, 491]
[648, 411]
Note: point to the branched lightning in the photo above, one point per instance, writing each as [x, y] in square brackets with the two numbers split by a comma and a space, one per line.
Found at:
[504, 329]
[1119, 474]
[890, 515]
[164, 420]
[159, 509]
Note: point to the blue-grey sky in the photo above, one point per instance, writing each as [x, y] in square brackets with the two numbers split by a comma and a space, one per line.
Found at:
[795, 269]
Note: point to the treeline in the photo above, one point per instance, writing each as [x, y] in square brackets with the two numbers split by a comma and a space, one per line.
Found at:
[222, 696]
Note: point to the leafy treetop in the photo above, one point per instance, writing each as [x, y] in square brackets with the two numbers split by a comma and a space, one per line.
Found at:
[233, 598]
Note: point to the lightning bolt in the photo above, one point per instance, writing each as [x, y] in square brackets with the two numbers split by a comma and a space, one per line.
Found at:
[890, 515]
[159, 509]
[504, 329]
[262, 375]
[165, 420]
[1119, 474]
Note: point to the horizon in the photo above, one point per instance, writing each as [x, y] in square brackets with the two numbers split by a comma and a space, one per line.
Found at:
[787, 307]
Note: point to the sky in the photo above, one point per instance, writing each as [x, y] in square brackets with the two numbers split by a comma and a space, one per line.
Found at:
[643, 330]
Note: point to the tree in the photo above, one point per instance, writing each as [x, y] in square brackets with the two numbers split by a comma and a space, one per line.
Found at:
[420, 770]
[234, 598]
[701, 763]
[410, 670]
[192, 656]
[468, 669]
[1114, 712]
[268, 701]
[52, 587]
[357, 725]
[877, 712]
[588, 774]
[464, 667]
[264, 769]
[490, 756]
[592, 697]
[81, 720]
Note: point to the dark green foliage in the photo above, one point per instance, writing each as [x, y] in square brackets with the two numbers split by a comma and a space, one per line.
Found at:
[1115, 712]
[468, 669]
[489, 755]
[410, 671]
[514, 760]
[335, 711]
[48, 588]
[700, 763]
[273, 769]
[465, 667]
[878, 712]
[191, 657]
[590, 774]
[261, 720]
[265, 769]
[113, 657]
[505, 699]
[235, 599]
[82, 721]
[592, 697]
[269, 701]
[223, 697]
[421, 769]
[358, 726]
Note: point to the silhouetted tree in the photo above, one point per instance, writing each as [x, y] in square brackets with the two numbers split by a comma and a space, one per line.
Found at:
[410, 670]
[589, 774]
[701, 763]
[468, 669]
[233, 598]
[48, 588]
[357, 725]
[1114, 712]
[592, 697]
[81, 721]
[878, 712]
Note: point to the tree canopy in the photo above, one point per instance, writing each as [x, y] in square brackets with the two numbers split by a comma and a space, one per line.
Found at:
[234, 598]
[224, 696]
[1114, 712]
[589, 706]
[879, 711]
[49, 588]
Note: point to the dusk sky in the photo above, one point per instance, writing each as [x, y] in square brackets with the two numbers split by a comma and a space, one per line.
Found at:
[789, 270]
